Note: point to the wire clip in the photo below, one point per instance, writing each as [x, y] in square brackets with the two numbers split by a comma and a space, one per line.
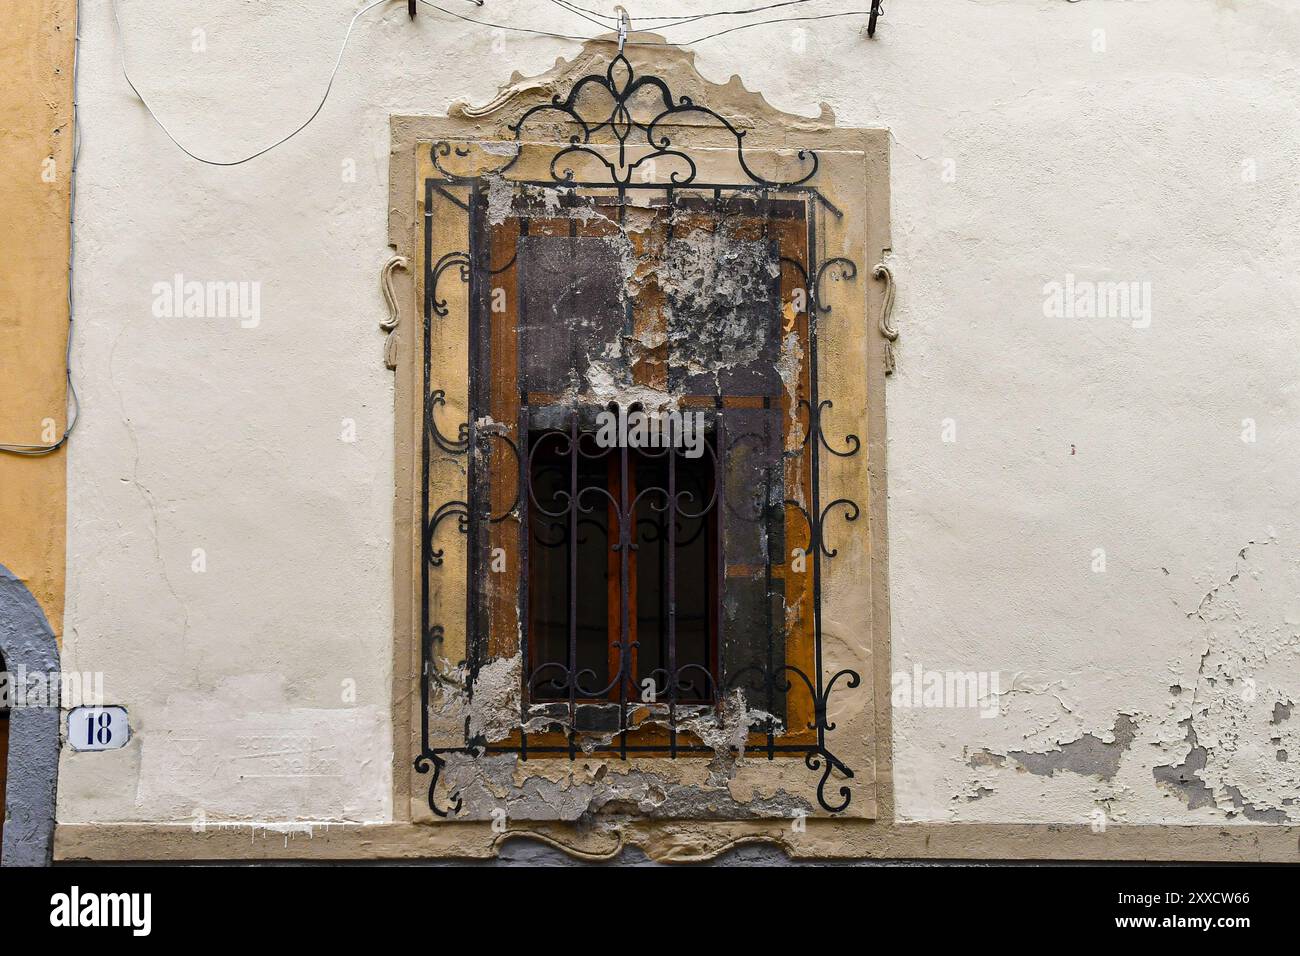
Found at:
[624, 21]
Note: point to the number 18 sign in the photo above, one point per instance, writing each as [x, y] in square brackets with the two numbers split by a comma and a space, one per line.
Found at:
[98, 728]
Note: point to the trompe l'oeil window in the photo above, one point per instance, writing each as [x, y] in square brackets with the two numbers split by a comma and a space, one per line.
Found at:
[631, 480]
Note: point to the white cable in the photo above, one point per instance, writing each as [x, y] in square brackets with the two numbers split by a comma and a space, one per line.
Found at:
[71, 391]
[428, 3]
[235, 162]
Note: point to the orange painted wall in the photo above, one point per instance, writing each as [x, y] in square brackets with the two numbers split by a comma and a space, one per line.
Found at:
[36, 58]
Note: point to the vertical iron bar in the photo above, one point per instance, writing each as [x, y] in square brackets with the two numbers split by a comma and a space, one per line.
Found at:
[624, 602]
[767, 568]
[573, 578]
[525, 490]
[720, 483]
[526, 654]
[625, 649]
[766, 216]
[625, 518]
[672, 599]
[814, 440]
[426, 652]
[474, 382]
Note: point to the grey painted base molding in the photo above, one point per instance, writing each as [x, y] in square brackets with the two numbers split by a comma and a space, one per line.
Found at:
[27, 644]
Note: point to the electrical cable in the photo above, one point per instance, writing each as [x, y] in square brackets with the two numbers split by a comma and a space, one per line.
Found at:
[587, 14]
[117, 24]
[459, 16]
[683, 18]
[71, 404]
[642, 43]
[579, 12]
[761, 23]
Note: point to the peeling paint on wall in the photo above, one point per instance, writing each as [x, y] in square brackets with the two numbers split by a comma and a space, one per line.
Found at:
[1089, 754]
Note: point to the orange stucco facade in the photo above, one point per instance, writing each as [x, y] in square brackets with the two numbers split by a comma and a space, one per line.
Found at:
[37, 48]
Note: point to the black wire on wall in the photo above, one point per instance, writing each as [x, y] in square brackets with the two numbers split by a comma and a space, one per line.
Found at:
[603, 20]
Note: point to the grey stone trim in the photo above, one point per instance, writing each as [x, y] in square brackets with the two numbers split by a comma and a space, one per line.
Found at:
[27, 641]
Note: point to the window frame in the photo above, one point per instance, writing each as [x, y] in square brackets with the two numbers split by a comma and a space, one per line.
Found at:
[865, 149]
[496, 378]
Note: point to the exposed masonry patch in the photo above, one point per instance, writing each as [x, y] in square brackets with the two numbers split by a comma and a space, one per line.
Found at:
[27, 643]
[712, 282]
[1088, 755]
[1182, 778]
[532, 790]
[1250, 811]
[497, 695]
[1239, 688]
[591, 793]
[1185, 781]
[1222, 745]
[986, 758]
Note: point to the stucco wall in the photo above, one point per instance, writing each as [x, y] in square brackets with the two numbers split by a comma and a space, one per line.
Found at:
[1167, 158]
[36, 47]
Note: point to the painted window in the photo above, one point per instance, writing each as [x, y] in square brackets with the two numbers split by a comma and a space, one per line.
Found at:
[639, 469]
[645, 347]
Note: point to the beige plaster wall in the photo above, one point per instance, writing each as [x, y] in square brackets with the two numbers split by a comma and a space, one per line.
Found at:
[1023, 153]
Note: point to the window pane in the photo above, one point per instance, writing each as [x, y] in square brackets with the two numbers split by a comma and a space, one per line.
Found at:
[550, 571]
[572, 299]
[693, 571]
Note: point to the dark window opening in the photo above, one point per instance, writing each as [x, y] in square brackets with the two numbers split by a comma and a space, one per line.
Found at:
[575, 589]
[699, 301]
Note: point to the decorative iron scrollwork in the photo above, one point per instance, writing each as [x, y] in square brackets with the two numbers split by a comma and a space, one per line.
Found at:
[621, 128]
[848, 270]
[618, 123]
[448, 509]
[816, 529]
[460, 444]
[449, 260]
[432, 760]
[815, 429]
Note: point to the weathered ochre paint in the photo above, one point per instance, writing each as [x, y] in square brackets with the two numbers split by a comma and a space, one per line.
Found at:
[36, 48]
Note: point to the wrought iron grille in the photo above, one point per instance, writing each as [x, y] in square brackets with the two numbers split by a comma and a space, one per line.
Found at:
[524, 471]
